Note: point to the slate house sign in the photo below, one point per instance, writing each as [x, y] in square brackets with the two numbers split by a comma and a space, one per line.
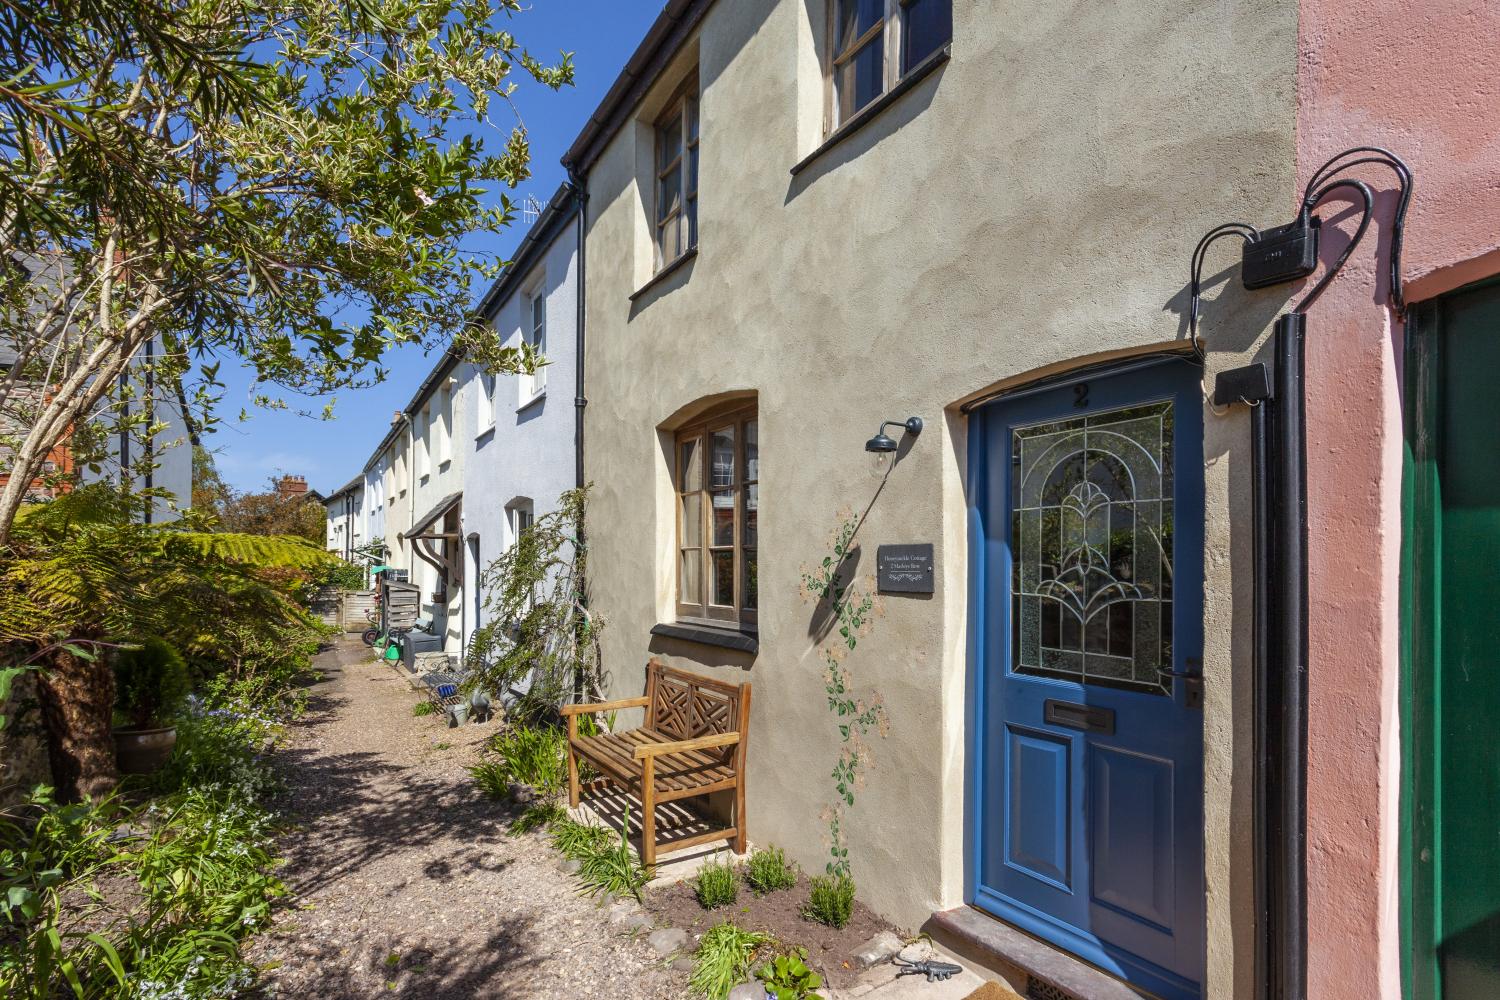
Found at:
[904, 569]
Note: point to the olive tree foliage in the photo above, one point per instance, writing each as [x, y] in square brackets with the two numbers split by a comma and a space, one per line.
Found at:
[538, 641]
[287, 184]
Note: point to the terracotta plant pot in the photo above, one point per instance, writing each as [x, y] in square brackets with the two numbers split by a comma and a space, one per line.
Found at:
[144, 751]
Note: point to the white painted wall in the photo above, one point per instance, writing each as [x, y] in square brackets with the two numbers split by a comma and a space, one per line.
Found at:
[518, 444]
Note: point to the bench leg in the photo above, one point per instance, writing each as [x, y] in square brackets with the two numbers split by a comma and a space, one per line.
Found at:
[572, 762]
[741, 836]
[648, 812]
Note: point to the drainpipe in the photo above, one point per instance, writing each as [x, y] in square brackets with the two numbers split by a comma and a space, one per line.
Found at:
[580, 401]
[1288, 653]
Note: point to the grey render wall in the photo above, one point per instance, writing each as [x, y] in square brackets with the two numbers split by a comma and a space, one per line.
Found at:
[1032, 203]
[528, 454]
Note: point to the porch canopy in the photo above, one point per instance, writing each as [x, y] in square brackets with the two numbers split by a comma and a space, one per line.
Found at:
[425, 541]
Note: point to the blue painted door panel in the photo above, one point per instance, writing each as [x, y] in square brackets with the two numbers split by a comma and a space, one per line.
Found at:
[1086, 589]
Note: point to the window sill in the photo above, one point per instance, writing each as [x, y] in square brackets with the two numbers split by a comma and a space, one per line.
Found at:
[871, 111]
[665, 273]
[484, 432]
[445, 465]
[726, 638]
[531, 400]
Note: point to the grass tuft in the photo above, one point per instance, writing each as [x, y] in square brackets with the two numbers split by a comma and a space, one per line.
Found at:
[613, 868]
[831, 901]
[533, 755]
[716, 885]
[422, 708]
[578, 840]
[538, 815]
[492, 778]
[725, 956]
[769, 871]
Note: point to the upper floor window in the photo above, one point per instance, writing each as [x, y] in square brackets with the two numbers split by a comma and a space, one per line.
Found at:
[873, 43]
[718, 506]
[444, 429]
[534, 332]
[677, 179]
[485, 404]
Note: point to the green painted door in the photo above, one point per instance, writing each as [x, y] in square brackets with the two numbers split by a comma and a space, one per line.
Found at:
[1451, 649]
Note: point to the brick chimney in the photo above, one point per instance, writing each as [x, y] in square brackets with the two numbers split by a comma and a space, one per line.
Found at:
[292, 487]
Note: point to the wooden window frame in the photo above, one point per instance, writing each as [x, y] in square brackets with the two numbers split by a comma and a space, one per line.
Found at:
[893, 56]
[703, 610]
[683, 221]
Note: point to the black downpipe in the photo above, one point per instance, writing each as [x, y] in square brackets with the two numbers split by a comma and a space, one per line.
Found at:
[1286, 676]
[1262, 699]
[580, 400]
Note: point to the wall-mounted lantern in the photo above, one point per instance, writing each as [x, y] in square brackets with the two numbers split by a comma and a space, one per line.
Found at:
[883, 447]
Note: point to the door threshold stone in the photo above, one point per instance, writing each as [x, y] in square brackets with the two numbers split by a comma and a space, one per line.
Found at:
[1037, 970]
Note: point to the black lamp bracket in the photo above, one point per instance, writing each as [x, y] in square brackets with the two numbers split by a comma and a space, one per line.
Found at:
[913, 425]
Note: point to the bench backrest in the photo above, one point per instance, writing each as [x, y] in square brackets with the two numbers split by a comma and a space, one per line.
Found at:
[684, 705]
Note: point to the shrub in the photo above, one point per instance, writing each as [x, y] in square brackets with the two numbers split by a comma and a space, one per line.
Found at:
[422, 708]
[492, 778]
[612, 867]
[768, 870]
[533, 755]
[787, 976]
[151, 683]
[716, 885]
[220, 746]
[831, 901]
[578, 840]
[725, 954]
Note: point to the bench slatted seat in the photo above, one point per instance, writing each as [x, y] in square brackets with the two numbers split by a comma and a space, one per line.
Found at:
[693, 743]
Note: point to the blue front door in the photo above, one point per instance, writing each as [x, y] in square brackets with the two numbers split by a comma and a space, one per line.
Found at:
[1087, 589]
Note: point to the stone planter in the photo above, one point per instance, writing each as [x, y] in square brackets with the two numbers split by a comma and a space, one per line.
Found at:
[144, 751]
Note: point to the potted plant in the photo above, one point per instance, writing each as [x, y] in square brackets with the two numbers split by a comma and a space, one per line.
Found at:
[151, 683]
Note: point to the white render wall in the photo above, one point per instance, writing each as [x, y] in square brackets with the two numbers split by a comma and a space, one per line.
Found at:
[529, 452]
[435, 472]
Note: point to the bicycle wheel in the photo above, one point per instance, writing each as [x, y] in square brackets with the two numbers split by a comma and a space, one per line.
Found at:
[370, 636]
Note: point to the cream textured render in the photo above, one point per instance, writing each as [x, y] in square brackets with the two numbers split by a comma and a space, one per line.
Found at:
[1027, 206]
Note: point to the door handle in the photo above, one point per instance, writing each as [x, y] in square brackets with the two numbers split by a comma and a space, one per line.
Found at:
[1192, 682]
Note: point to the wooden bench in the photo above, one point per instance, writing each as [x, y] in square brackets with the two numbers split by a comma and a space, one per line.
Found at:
[692, 743]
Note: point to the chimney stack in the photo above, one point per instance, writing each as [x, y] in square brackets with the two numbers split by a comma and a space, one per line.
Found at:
[292, 487]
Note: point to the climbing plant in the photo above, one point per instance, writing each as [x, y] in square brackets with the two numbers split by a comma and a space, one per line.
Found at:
[538, 642]
[848, 611]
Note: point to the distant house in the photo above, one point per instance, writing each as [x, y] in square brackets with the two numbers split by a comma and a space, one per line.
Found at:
[347, 518]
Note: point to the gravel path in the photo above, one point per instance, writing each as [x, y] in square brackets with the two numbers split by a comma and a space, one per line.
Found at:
[404, 881]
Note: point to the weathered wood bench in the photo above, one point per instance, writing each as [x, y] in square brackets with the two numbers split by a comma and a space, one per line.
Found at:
[693, 743]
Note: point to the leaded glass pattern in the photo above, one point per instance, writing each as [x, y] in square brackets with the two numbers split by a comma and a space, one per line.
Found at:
[1091, 548]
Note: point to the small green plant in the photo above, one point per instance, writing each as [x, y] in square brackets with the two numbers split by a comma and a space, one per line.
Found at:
[442, 746]
[716, 885]
[492, 778]
[787, 976]
[578, 840]
[533, 755]
[831, 901]
[151, 683]
[538, 815]
[725, 956]
[422, 708]
[769, 871]
[613, 868]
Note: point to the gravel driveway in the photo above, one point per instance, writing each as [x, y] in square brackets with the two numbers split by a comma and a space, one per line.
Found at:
[404, 881]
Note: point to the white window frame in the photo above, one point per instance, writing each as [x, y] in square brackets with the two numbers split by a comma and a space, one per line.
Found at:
[444, 431]
[534, 386]
[484, 404]
[520, 514]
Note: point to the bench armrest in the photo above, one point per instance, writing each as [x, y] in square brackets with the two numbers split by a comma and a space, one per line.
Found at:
[604, 706]
[699, 743]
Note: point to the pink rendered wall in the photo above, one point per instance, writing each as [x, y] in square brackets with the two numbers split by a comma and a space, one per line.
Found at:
[1423, 79]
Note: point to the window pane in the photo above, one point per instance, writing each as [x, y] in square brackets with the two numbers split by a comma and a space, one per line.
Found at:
[692, 519]
[751, 595]
[671, 245]
[692, 584]
[862, 78]
[855, 17]
[929, 26]
[752, 514]
[721, 473]
[690, 467]
[723, 505]
[752, 450]
[723, 581]
[668, 143]
[669, 195]
[692, 221]
[692, 171]
[692, 119]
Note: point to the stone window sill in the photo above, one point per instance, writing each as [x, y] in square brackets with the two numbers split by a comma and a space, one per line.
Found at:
[872, 110]
[725, 638]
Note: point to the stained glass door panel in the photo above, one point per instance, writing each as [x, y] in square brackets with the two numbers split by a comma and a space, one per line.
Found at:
[1091, 537]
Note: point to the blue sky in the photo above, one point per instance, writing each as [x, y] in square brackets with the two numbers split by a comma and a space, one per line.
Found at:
[601, 34]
